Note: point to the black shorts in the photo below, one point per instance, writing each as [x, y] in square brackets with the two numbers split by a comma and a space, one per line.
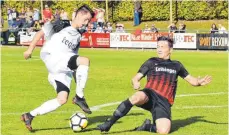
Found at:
[157, 105]
[72, 62]
[61, 87]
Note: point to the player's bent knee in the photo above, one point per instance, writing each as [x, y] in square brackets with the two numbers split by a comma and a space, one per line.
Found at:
[163, 125]
[133, 99]
[83, 61]
[163, 130]
[62, 100]
[62, 92]
[138, 98]
[62, 97]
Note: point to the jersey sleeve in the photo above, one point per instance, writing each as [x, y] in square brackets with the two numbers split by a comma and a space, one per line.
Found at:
[145, 67]
[183, 72]
[48, 30]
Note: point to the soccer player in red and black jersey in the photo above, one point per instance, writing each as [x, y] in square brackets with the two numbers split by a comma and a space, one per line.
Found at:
[159, 92]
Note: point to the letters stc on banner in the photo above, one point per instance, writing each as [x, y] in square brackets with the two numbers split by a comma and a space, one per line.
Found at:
[120, 40]
[184, 40]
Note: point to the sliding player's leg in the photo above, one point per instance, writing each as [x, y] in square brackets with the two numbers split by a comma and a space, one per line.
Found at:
[138, 98]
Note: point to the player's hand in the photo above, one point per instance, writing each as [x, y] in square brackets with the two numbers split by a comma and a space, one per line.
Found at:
[136, 85]
[27, 54]
[205, 80]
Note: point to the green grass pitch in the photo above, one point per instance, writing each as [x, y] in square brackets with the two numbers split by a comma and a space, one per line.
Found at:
[197, 110]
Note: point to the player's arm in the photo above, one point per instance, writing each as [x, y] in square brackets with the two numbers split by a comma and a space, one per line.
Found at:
[136, 80]
[141, 73]
[198, 81]
[29, 51]
[193, 80]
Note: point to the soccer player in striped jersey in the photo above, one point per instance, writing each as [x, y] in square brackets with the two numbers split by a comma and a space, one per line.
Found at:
[159, 92]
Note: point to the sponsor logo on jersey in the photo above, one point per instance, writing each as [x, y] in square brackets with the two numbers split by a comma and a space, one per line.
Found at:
[164, 69]
[70, 45]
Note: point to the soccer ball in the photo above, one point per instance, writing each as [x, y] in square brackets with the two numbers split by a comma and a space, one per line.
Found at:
[78, 122]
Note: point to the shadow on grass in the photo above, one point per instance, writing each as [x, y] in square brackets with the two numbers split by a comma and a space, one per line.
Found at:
[99, 119]
[43, 129]
[92, 120]
[181, 123]
[176, 124]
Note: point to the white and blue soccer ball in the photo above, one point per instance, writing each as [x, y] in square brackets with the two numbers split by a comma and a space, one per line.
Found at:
[78, 122]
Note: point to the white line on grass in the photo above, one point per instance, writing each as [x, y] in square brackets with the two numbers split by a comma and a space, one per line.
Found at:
[16, 55]
[94, 108]
[203, 94]
[97, 108]
[20, 60]
[197, 107]
[134, 109]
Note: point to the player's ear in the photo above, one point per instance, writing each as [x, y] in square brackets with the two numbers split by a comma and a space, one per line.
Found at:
[170, 50]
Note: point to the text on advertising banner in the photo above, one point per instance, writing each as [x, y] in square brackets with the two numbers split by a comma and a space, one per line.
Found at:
[96, 40]
[184, 40]
[212, 41]
[143, 40]
[120, 40]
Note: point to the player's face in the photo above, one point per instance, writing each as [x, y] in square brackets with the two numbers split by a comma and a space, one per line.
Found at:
[163, 49]
[82, 19]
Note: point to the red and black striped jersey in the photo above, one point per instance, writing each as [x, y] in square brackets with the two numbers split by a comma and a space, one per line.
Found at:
[162, 76]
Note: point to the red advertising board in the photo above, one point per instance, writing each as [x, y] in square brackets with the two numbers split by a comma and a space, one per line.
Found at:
[96, 40]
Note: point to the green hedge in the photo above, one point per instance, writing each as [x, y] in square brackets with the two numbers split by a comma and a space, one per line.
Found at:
[189, 10]
[152, 10]
[182, 10]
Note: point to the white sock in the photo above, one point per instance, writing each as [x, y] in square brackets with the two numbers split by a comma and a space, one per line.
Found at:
[46, 107]
[81, 79]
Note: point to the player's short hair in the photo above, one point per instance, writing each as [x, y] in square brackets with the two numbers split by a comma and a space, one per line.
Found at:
[86, 9]
[166, 38]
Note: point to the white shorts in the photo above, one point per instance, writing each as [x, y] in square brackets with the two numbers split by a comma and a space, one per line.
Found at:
[57, 68]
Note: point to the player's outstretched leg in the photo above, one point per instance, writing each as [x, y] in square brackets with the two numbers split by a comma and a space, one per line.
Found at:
[46, 107]
[27, 119]
[138, 98]
[121, 111]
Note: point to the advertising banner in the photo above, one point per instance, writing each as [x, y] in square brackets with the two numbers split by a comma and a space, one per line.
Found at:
[184, 40]
[12, 38]
[143, 40]
[120, 40]
[26, 39]
[96, 40]
[212, 41]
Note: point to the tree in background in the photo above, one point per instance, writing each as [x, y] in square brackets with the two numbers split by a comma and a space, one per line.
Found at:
[153, 10]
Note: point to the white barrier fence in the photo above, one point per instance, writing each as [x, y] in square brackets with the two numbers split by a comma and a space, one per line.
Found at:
[181, 40]
[137, 40]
